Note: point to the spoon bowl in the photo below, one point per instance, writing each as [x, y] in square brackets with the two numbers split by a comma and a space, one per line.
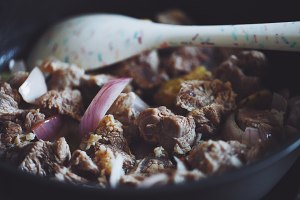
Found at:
[94, 41]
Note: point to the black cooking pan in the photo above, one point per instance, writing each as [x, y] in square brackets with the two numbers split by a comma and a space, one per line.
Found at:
[21, 22]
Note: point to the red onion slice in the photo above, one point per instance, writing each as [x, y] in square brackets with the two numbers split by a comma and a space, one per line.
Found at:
[34, 86]
[48, 129]
[101, 103]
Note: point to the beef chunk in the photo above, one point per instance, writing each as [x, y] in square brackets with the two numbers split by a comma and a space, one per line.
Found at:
[106, 143]
[33, 117]
[111, 132]
[61, 150]
[63, 75]
[17, 79]
[8, 133]
[64, 174]
[160, 126]
[9, 110]
[143, 69]
[208, 119]
[183, 60]
[83, 165]
[243, 72]
[152, 165]
[252, 63]
[264, 119]
[40, 157]
[67, 102]
[155, 163]
[12, 139]
[126, 109]
[267, 122]
[9, 128]
[6, 89]
[217, 156]
[196, 94]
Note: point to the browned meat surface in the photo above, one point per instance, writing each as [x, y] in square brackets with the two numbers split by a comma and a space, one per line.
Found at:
[32, 118]
[67, 102]
[143, 69]
[106, 143]
[161, 126]
[66, 175]
[126, 109]
[150, 166]
[252, 63]
[17, 79]
[264, 119]
[63, 75]
[208, 119]
[9, 131]
[83, 165]
[243, 71]
[217, 156]
[155, 163]
[6, 89]
[10, 128]
[40, 157]
[183, 60]
[111, 132]
[9, 110]
[196, 94]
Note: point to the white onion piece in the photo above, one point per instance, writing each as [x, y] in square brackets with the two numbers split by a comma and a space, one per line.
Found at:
[101, 103]
[116, 171]
[251, 136]
[48, 129]
[34, 86]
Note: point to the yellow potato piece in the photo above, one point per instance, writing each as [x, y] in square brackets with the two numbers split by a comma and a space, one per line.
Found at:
[168, 91]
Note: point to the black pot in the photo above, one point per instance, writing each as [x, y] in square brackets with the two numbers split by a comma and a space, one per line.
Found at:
[21, 22]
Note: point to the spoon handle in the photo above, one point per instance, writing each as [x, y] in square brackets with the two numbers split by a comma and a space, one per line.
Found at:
[271, 36]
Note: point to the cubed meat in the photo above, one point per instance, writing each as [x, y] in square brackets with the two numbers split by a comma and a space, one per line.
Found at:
[244, 71]
[6, 89]
[213, 157]
[143, 69]
[32, 118]
[126, 108]
[67, 102]
[9, 110]
[160, 126]
[83, 165]
[40, 157]
[64, 174]
[183, 60]
[208, 119]
[197, 94]
[63, 75]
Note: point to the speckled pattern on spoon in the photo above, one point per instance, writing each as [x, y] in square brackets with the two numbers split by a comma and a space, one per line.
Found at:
[97, 40]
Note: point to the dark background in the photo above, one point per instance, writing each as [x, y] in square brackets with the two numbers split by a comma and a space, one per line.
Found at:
[22, 21]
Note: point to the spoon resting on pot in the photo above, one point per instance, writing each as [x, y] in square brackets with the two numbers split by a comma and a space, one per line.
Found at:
[98, 40]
